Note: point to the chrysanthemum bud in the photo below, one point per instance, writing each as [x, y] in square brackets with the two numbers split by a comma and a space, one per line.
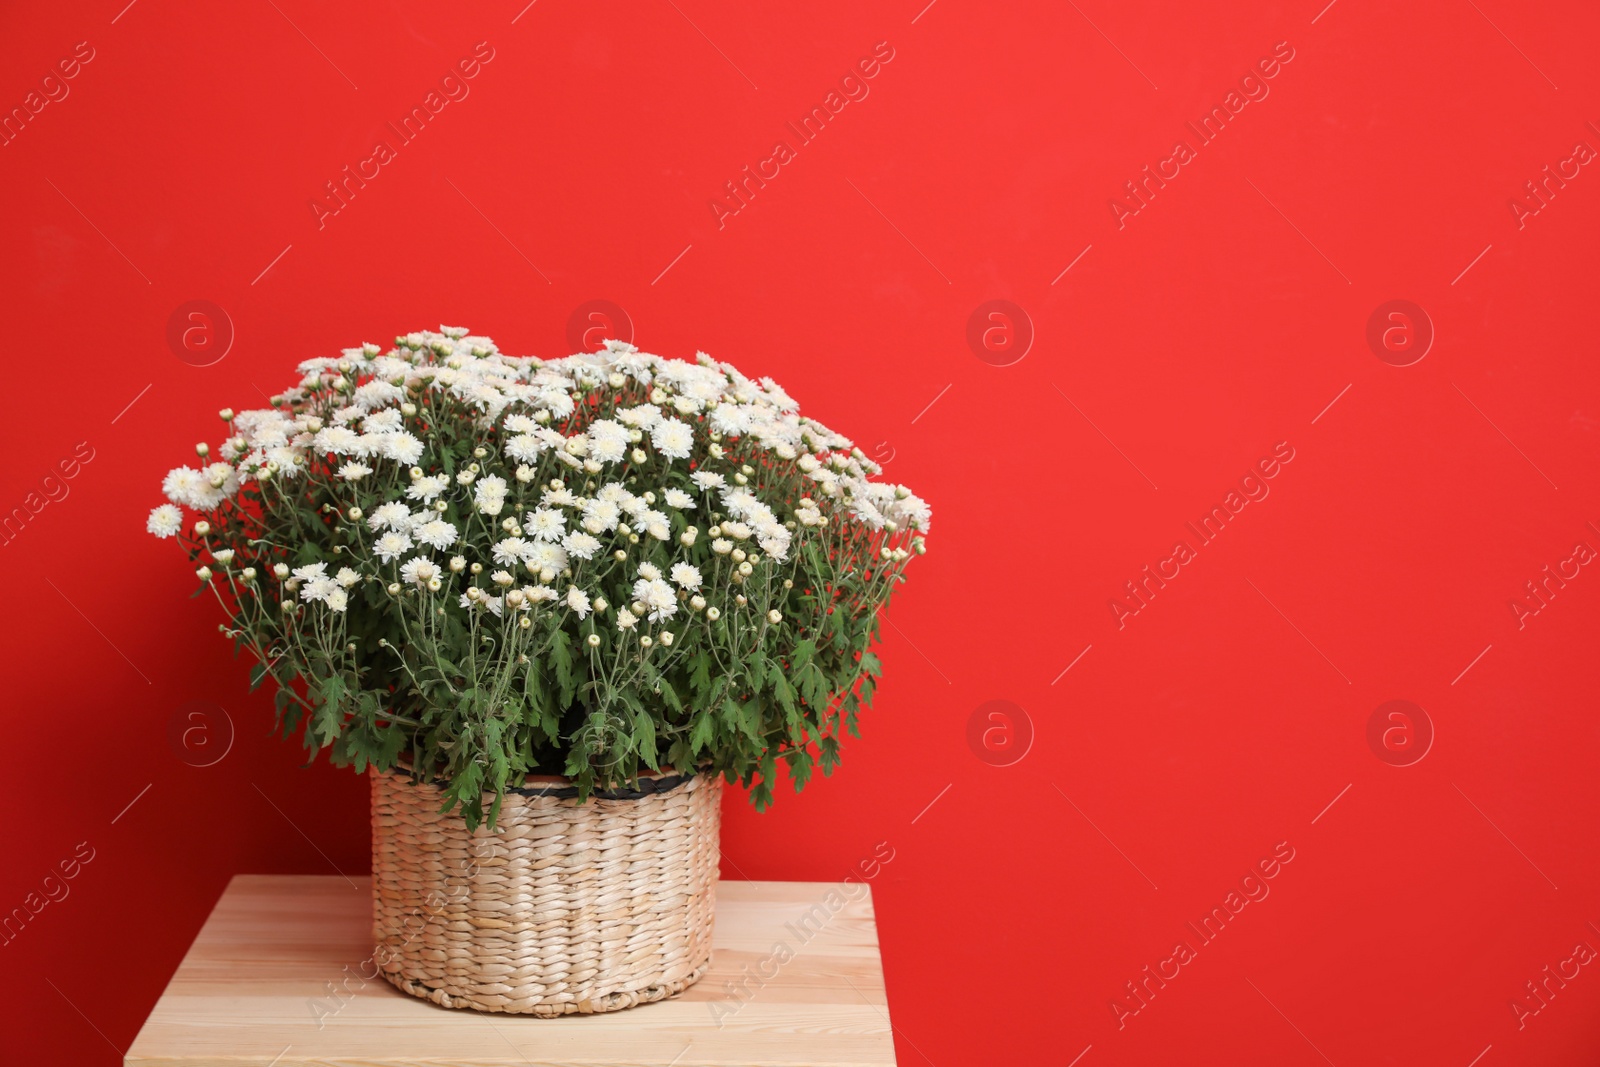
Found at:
[525, 623]
[637, 455]
[713, 613]
[202, 449]
[458, 563]
[600, 604]
[281, 570]
[204, 574]
[615, 380]
[594, 640]
[350, 646]
[465, 477]
[697, 602]
[476, 568]
[248, 574]
[479, 452]
[645, 641]
[202, 528]
[416, 472]
[354, 514]
[408, 409]
[394, 588]
[226, 414]
[524, 474]
[441, 505]
[738, 557]
[788, 583]
[619, 555]
[741, 479]
[434, 585]
[666, 637]
[745, 568]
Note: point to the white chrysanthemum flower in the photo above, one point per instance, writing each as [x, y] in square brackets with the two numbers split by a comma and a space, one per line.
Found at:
[490, 494]
[164, 521]
[436, 533]
[677, 498]
[686, 575]
[546, 524]
[808, 516]
[338, 440]
[580, 544]
[428, 487]
[601, 515]
[774, 540]
[722, 546]
[558, 498]
[608, 441]
[337, 600]
[655, 524]
[511, 551]
[391, 545]
[640, 418]
[310, 572]
[401, 447]
[392, 515]
[419, 570]
[347, 577]
[708, 479]
[535, 594]
[730, 420]
[353, 472]
[319, 588]
[672, 438]
[649, 572]
[660, 602]
[543, 556]
[626, 619]
[736, 530]
[187, 486]
[525, 447]
[520, 424]
[386, 421]
[578, 601]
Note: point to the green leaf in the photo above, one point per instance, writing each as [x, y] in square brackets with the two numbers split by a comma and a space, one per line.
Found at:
[700, 736]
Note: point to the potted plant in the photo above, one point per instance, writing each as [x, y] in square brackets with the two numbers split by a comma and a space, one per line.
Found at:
[549, 607]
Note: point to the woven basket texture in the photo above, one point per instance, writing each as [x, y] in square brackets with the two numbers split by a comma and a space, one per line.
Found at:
[565, 908]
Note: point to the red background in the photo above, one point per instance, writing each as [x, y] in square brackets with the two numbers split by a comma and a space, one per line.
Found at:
[1222, 319]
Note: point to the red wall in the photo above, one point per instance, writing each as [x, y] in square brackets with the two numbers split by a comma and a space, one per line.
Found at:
[1189, 340]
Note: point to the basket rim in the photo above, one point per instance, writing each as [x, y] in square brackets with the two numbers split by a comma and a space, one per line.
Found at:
[559, 787]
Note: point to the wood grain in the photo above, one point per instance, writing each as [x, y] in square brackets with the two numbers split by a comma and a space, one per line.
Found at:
[281, 975]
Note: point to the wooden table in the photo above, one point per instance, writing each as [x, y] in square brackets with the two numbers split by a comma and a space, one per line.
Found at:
[275, 977]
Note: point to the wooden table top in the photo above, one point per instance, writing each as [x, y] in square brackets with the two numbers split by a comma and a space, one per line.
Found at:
[277, 977]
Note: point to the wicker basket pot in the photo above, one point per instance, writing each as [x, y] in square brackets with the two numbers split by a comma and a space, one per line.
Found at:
[564, 908]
